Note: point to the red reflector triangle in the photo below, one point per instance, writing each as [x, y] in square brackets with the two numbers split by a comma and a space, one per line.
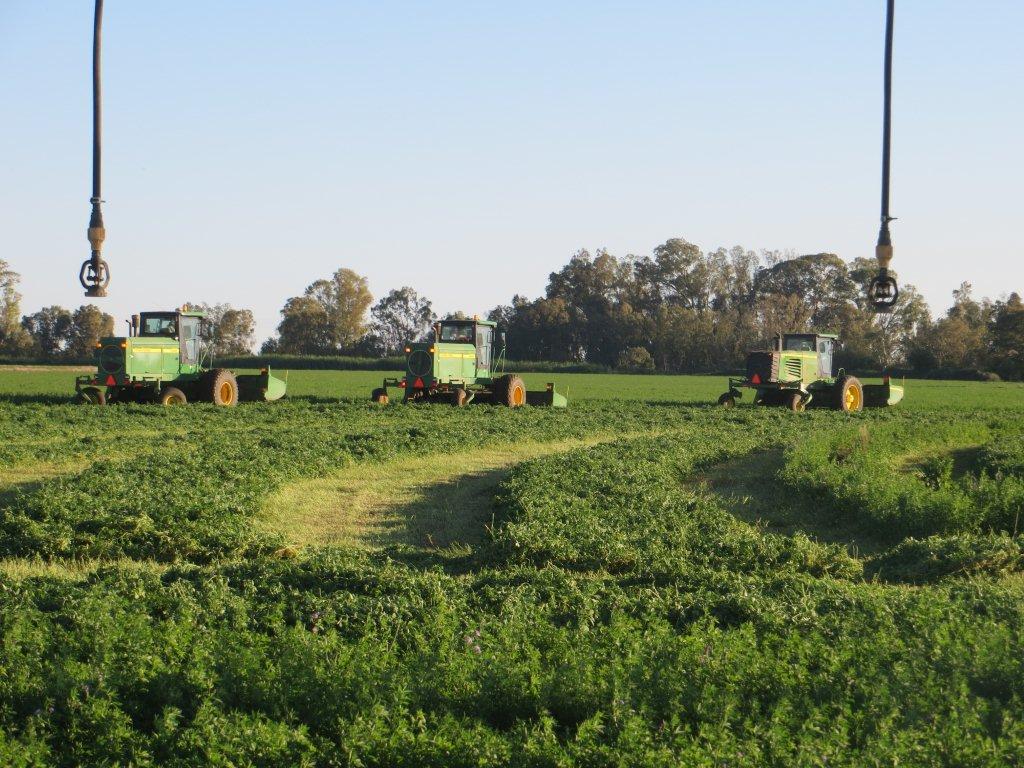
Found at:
[755, 379]
[418, 384]
[111, 381]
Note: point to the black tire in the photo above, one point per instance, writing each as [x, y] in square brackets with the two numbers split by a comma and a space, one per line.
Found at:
[92, 396]
[849, 395]
[379, 396]
[171, 396]
[219, 387]
[509, 390]
[459, 397]
[727, 400]
[795, 402]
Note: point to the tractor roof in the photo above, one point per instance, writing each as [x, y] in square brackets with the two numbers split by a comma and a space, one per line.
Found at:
[457, 321]
[812, 333]
[183, 312]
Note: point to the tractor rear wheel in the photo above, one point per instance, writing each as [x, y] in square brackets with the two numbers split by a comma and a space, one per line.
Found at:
[849, 394]
[172, 396]
[459, 397]
[220, 387]
[510, 390]
[795, 401]
[92, 396]
[727, 400]
[379, 396]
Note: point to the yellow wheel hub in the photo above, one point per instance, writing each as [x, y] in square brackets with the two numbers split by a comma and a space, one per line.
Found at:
[226, 392]
[853, 398]
[518, 396]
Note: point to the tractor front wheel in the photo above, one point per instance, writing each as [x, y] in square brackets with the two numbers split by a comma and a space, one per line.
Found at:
[220, 387]
[510, 390]
[727, 400]
[172, 396]
[379, 396]
[849, 395]
[92, 396]
[795, 401]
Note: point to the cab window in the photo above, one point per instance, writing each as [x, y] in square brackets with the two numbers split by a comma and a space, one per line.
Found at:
[457, 332]
[798, 344]
[165, 325]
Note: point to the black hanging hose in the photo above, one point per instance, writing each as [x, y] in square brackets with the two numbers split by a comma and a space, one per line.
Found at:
[95, 274]
[883, 292]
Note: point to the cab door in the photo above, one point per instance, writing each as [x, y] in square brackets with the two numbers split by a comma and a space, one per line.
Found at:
[825, 348]
[189, 341]
[484, 347]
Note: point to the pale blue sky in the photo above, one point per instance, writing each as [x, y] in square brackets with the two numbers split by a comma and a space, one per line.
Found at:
[467, 149]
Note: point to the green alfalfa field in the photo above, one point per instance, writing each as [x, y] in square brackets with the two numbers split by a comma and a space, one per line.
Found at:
[642, 579]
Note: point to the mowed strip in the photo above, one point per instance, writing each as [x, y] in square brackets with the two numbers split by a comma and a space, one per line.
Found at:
[23, 475]
[434, 501]
[67, 569]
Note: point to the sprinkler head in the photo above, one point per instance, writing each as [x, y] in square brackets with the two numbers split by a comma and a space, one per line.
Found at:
[883, 292]
[94, 277]
[95, 274]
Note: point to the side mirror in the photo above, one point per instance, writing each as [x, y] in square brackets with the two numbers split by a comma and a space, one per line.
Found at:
[501, 338]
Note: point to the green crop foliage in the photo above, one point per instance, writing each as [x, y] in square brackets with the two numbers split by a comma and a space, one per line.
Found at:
[617, 608]
[939, 474]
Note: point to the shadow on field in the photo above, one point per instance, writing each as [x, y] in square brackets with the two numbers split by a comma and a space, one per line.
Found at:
[750, 490]
[10, 491]
[8, 494]
[444, 523]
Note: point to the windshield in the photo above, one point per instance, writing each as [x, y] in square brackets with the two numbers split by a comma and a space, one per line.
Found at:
[457, 332]
[159, 325]
[798, 344]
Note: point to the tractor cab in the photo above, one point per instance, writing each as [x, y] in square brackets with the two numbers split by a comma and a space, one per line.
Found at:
[822, 345]
[182, 326]
[169, 325]
[479, 333]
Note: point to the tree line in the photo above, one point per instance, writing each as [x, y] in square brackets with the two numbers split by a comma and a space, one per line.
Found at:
[677, 309]
[680, 310]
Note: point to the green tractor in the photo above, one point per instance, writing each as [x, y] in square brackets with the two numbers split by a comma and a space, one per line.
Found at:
[459, 366]
[163, 360]
[797, 373]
